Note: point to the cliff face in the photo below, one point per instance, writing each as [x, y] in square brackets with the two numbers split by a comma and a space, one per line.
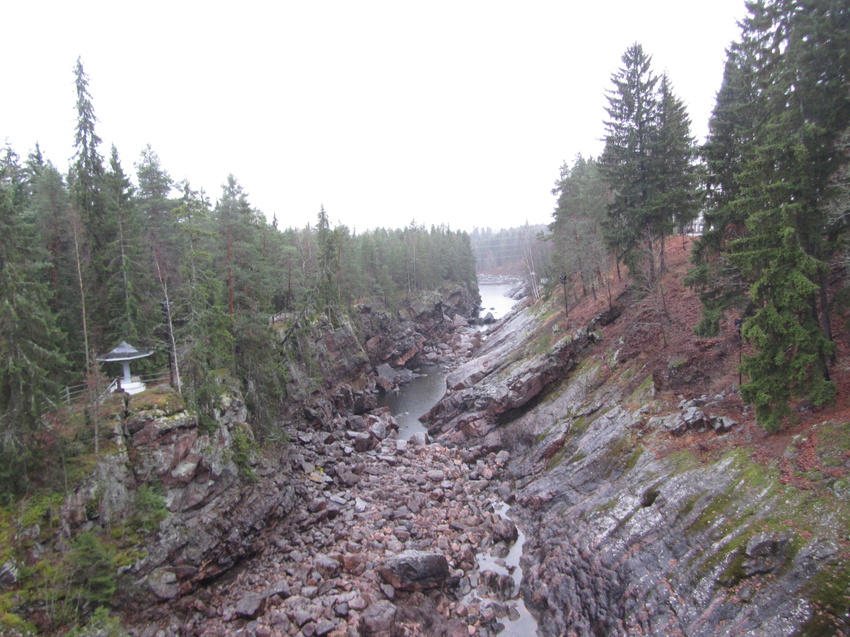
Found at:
[647, 513]
[215, 495]
[338, 363]
[217, 498]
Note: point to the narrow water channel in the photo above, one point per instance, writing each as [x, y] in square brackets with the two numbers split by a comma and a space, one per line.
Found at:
[520, 623]
[413, 400]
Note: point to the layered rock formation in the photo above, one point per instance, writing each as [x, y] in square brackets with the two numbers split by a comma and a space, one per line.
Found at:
[646, 516]
[216, 514]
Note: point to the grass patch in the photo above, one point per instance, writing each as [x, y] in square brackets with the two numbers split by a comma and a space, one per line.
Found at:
[162, 399]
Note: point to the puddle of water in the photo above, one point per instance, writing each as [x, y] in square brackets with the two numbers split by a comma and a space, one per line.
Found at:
[525, 625]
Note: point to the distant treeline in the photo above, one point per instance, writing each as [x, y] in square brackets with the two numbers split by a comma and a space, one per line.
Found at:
[509, 250]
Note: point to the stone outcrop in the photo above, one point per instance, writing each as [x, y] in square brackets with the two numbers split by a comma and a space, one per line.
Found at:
[626, 536]
[472, 408]
[349, 363]
[216, 515]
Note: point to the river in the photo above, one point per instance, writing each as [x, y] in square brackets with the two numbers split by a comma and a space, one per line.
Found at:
[495, 299]
[413, 400]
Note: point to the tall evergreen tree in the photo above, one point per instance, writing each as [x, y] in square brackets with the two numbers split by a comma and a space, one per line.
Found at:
[674, 151]
[731, 132]
[800, 76]
[30, 343]
[128, 318]
[648, 164]
[580, 253]
[96, 230]
[627, 160]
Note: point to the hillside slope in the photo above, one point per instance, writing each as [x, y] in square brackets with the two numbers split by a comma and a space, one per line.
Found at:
[652, 501]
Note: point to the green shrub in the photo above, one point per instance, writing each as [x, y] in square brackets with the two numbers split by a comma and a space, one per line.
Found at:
[101, 624]
[148, 508]
[94, 568]
[242, 452]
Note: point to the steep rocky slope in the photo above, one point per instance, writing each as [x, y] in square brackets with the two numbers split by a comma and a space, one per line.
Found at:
[653, 503]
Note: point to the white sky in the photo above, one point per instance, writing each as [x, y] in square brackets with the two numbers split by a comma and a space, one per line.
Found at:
[457, 113]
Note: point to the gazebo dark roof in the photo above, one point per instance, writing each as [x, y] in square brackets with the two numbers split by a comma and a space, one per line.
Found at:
[124, 352]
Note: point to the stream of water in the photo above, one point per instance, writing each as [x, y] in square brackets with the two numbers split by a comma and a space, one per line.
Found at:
[414, 399]
[523, 623]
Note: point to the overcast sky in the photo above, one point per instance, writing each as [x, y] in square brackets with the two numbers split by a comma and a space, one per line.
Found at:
[457, 113]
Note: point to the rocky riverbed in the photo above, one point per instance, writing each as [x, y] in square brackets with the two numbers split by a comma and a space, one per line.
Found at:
[386, 544]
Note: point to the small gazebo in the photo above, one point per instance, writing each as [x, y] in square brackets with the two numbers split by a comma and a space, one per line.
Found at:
[125, 353]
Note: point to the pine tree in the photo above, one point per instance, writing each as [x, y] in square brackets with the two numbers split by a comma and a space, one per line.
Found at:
[731, 133]
[580, 252]
[327, 258]
[628, 162]
[129, 318]
[96, 232]
[648, 164]
[674, 151]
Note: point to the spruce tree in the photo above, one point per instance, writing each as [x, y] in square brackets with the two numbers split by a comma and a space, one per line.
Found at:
[129, 317]
[731, 132]
[96, 231]
[628, 162]
[674, 150]
[800, 78]
[30, 343]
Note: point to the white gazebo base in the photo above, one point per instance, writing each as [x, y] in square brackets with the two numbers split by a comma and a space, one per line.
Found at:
[133, 387]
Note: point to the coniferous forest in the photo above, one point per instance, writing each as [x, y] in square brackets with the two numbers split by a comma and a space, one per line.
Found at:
[104, 253]
[91, 256]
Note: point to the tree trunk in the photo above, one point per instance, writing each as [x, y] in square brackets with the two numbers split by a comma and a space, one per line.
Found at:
[163, 281]
[230, 270]
[824, 305]
[74, 224]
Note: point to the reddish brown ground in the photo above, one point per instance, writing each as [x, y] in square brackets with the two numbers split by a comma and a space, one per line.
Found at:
[654, 340]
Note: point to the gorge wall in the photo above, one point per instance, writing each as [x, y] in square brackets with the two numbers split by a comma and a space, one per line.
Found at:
[647, 510]
[648, 513]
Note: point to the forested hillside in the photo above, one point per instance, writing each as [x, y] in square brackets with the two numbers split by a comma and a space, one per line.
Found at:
[767, 193]
[99, 253]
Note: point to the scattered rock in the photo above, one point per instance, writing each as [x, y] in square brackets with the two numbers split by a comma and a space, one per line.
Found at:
[379, 620]
[251, 605]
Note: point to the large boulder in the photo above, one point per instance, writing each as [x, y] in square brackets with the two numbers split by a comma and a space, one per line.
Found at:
[415, 570]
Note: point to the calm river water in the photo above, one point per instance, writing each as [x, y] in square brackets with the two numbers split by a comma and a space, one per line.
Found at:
[415, 398]
[494, 298]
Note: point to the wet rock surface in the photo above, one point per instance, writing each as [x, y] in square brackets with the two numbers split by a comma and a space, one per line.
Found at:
[623, 536]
